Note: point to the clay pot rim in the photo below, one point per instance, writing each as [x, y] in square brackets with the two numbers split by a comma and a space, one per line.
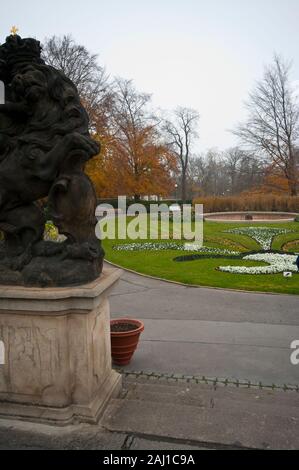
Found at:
[139, 326]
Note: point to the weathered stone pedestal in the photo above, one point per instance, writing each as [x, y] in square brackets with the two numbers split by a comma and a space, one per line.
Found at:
[57, 352]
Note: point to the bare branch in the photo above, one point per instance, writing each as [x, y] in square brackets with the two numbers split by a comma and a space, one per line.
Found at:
[272, 127]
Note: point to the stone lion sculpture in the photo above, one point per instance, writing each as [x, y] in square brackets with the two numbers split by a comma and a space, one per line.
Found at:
[44, 145]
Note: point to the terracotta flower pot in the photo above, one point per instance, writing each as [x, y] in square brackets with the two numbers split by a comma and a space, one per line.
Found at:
[124, 343]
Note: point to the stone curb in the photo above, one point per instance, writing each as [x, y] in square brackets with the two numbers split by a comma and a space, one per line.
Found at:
[201, 379]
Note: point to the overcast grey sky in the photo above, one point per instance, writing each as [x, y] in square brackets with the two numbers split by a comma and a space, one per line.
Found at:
[205, 54]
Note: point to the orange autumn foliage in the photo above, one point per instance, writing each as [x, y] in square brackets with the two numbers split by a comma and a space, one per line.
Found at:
[146, 167]
[275, 182]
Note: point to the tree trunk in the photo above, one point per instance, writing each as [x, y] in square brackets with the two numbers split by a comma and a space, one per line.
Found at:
[184, 188]
[293, 187]
[292, 177]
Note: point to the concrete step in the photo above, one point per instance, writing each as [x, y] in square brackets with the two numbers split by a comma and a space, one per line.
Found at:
[201, 394]
[203, 416]
[179, 399]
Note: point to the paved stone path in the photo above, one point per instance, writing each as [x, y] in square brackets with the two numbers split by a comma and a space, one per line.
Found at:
[169, 414]
[211, 332]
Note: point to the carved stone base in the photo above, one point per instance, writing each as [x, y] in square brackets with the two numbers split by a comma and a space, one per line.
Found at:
[57, 352]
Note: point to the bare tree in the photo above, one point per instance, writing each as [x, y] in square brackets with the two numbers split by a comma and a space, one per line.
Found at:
[217, 173]
[233, 158]
[147, 163]
[272, 125]
[130, 112]
[180, 131]
[251, 173]
[197, 176]
[80, 66]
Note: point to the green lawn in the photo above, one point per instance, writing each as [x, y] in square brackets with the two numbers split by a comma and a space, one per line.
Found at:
[204, 272]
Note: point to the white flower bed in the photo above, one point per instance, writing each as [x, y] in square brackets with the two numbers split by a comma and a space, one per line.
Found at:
[278, 263]
[149, 246]
[263, 235]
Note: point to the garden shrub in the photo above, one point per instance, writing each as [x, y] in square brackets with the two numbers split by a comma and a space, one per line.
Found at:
[245, 203]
